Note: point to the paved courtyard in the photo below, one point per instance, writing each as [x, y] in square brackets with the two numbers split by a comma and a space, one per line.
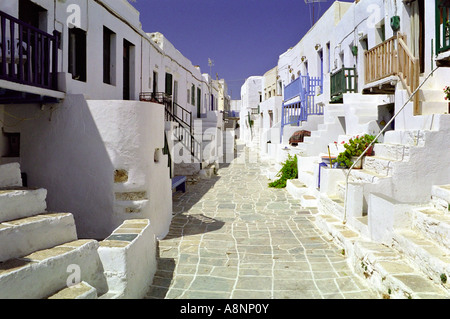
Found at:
[234, 237]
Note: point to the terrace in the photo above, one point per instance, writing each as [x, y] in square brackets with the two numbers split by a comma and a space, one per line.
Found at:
[28, 62]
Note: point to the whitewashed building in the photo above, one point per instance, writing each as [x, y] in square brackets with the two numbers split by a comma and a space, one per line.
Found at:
[87, 106]
[382, 67]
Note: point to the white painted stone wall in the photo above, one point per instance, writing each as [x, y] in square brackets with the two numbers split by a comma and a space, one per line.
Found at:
[74, 150]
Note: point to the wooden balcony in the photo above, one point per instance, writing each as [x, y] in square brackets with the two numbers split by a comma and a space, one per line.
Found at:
[392, 58]
[28, 55]
[443, 32]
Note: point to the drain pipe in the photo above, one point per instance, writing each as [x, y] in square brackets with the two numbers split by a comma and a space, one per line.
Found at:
[376, 138]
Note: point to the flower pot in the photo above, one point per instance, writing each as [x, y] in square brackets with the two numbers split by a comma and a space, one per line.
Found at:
[358, 164]
[369, 151]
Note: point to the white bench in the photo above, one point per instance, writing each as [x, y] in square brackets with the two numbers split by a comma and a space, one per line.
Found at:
[179, 183]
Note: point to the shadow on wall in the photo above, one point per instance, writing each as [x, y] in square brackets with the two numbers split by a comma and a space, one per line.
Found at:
[63, 151]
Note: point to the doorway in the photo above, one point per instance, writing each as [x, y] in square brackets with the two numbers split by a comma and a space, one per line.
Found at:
[126, 69]
[417, 43]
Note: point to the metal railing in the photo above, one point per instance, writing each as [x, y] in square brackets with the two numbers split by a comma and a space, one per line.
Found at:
[305, 87]
[293, 89]
[28, 55]
[343, 81]
[377, 137]
[442, 26]
[156, 97]
[176, 113]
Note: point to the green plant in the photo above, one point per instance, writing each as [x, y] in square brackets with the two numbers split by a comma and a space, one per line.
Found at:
[447, 93]
[355, 147]
[443, 278]
[289, 170]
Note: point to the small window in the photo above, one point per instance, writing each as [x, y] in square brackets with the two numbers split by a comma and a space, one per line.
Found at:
[155, 82]
[77, 54]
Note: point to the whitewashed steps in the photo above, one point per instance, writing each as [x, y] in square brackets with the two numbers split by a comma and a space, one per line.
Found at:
[386, 269]
[23, 236]
[79, 291]
[396, 152]
[296, 188]
[429, 257]
[44, 272]
[20, 202]
[10, 175]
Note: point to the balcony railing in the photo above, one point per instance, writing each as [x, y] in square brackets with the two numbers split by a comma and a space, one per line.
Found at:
[381, 61]
[176, 113]
[343, 81]
[292, 89]
[28, 55]
[306, 88]
[393, 58]
[442, 26]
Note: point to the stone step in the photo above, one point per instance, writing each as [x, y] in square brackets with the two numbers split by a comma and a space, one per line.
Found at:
[429, 257]
[45, 272]
[296, 188]
[433, 224]
[331, 205]
[364, 176]
[396, 152]
[23, 236]
[389, 272]
[340, 190]
[10, 175]
[307, 178]
[79, 291]
[383, 267]
[434, 107]
[20, 202]
[308, 201]
[379, 165]
[440, 197]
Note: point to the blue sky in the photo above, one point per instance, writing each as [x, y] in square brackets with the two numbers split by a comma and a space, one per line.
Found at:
[242, 37]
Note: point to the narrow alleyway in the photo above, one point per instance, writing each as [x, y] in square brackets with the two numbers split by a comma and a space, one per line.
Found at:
[234, 237]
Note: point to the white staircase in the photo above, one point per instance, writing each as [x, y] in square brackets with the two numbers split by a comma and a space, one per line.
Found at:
[392, 237]
[427, 242]
[333, 125]
[38, 249]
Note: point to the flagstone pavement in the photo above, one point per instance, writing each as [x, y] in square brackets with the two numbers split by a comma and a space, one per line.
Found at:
[234, 237]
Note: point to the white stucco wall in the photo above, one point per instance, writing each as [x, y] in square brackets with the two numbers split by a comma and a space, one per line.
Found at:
[74, 149]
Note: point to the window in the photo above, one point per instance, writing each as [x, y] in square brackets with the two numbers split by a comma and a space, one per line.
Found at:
[33, 14]
[193, 94]
[155, 81]
[328, 58]
[381, 33]
[77, 54]
[199, 95]
[108, 55]
[169, 84]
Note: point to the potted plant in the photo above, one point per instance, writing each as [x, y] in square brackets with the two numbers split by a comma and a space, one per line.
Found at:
[353, 149]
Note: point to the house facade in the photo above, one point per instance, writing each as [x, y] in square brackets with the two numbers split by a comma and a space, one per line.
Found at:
[98, 114]
[378, 68]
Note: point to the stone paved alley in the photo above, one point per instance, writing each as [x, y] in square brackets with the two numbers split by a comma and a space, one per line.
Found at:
[234, 237]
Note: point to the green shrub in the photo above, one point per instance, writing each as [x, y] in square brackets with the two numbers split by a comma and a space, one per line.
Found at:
[288, 171]
[354, 148]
